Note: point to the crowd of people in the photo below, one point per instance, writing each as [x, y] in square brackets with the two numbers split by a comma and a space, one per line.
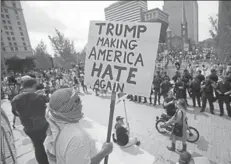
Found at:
[30, 92]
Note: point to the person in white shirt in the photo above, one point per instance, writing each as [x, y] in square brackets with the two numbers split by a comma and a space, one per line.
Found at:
[67, 142]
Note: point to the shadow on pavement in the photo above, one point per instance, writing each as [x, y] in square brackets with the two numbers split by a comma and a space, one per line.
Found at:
[202, 144]
[133, 150]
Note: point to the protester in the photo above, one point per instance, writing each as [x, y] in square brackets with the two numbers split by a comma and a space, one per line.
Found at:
[30, 107]
[67, 142]
[123, 134]
[180, 126]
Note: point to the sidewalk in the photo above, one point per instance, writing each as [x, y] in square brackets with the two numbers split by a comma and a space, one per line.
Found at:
[25, 152]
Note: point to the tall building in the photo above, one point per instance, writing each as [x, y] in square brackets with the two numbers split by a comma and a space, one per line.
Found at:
[14, 36]
[224, 32]
[157, 15]
[126, 11]
[174, 9]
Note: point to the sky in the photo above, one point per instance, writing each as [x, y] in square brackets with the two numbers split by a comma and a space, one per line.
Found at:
[72, 18]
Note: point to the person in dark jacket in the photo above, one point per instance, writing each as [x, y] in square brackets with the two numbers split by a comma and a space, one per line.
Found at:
[195, 91]
[30, 107]
[122, 134]
[157, 82]
[165, 87]
[199, 76]
[180, 89]
[207, 94]
[224, 90]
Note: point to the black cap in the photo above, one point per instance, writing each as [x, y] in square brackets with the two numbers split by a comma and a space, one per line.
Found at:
[119, 118]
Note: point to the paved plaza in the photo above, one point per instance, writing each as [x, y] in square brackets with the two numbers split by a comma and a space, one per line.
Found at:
[214, 142]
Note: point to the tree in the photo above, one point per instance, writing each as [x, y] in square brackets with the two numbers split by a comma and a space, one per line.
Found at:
[82, 55]
[42, 59]
[214, 22]
[63, 47]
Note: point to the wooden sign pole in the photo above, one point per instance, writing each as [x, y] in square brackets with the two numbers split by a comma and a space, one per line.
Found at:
[112, 108]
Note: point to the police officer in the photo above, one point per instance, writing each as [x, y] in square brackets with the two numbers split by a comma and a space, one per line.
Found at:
[199, 76]
[207, 94]
[195, 91]
[180, 89]
[186, 78]
[165, 87]
[224, 90]
[157, 81]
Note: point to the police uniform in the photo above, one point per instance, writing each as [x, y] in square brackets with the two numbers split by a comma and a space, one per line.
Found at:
[195, 90]
[223, 87]
[207, 94]
[157, 82]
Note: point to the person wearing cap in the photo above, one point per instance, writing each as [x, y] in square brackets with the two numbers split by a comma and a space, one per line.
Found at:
[122, 134]
[67, 141]
[30, 107]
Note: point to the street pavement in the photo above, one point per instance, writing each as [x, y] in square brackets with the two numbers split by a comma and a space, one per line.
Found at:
[215, 131]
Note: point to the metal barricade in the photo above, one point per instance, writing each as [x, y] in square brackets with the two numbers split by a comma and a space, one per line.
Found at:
[8, 150]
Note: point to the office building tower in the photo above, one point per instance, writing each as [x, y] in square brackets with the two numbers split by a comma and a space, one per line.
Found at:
[126, 11]
[174, 9]
[15, 40]
[157, 15]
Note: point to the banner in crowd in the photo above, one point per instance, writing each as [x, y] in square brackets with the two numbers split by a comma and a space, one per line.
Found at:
[121, 56]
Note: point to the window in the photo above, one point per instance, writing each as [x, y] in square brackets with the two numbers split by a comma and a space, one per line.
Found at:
[7, 16]
[20, 28]
[11, 48]
[3, 49]
[10, 44]
[3, 21]
[16, 48]
[2, 16]
[16, 12]
[9, 21]
[2, 44]
[13, 38]
[7, 33]
[23, 38]
[24, 43]
[8, 38]
[25, 48]
[19, 23]
[10, 27]
[12, 33]
[21, 33]
[5, 27]
[17, 17]
[15, 44]
[6, 10]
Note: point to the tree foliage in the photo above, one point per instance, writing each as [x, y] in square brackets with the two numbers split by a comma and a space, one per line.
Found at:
[214, 23]
[42, 59]
[63, 47]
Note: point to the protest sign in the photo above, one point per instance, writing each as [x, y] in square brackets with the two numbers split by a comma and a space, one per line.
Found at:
[120, 56]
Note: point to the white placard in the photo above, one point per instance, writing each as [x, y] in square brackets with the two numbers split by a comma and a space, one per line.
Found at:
[121, 56]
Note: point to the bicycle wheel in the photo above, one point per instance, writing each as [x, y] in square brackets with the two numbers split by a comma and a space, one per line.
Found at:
[158, 128]
[192, 134]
